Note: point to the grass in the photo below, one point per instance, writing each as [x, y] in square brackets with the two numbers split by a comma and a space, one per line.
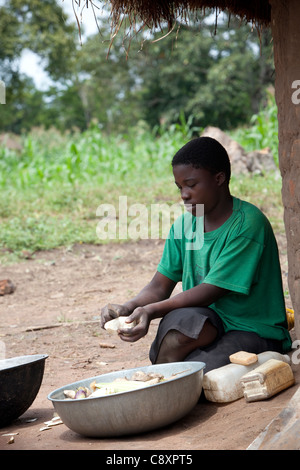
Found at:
[262, 131]
[51, 190]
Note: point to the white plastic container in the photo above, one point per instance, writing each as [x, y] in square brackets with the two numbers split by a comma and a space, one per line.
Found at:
[267, 380]
[223, 384]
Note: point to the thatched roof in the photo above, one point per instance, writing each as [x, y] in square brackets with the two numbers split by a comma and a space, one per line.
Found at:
[155, 13]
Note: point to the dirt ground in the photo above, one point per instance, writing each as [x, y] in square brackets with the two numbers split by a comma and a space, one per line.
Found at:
[55, 310]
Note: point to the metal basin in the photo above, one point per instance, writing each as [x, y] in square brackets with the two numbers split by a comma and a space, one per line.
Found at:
[20, 381]
[134, 411]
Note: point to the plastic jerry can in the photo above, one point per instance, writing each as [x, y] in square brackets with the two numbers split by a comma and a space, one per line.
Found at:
[266, 380]
[224, 384]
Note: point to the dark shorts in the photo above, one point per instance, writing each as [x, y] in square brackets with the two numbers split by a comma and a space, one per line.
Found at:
[190, 321]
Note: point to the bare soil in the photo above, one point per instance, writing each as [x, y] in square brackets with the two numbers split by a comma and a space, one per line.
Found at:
[55, 310]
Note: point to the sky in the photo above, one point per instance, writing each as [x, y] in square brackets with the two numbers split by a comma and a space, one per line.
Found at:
[30, 62]
[85, 15]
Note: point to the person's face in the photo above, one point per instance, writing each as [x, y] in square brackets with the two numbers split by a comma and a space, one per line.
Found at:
[198, 186]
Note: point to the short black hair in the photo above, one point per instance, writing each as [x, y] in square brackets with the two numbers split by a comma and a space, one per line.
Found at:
[206, 153]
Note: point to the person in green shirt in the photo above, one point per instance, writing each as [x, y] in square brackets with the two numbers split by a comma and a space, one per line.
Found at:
[224, 252]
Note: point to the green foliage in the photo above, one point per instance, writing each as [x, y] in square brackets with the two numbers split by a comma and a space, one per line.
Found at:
[120, 119]
[214, 77]
[49, 157]
[41, 28]
[263, 129]
[218, 77]
[51, 190]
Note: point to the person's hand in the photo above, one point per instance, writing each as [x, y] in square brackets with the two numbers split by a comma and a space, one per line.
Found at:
[141, 316]
[111, 311]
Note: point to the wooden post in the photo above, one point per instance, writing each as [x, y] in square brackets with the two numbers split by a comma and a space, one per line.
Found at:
[285, 23]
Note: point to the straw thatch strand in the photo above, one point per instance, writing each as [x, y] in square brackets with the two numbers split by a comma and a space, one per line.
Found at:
[156, 13]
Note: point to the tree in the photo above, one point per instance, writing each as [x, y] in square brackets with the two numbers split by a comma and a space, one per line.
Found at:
[222, 84]
[42, 28]
[158, 82]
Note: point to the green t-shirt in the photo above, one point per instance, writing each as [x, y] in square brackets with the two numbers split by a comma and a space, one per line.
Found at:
[241, 256]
